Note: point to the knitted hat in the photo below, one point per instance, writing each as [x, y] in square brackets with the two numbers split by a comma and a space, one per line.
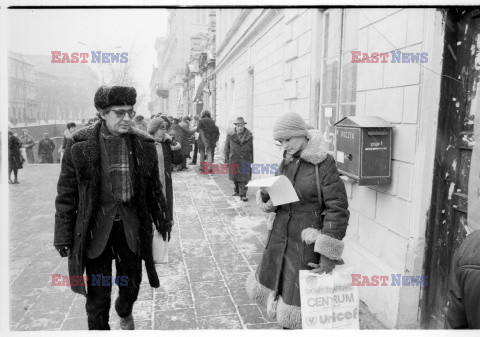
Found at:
[108, 96]
[290, 125]
[155, 124]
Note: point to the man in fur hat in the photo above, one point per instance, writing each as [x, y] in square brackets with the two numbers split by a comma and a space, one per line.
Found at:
[109, 193]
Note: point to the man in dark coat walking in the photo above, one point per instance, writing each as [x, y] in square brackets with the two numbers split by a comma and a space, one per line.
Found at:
[464, 297]
[45, 150]
[109, 193]
[239, 155]
[207, 140]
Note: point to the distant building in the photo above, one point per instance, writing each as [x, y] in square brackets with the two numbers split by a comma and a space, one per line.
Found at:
[199, 77]
[41, 91]
[22, 98]
[173, 53]
[65, 91]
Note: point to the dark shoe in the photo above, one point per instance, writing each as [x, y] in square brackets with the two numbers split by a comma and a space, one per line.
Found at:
[10, 181]
[236, 194]
[16, 181]
[243, 198]
[126, 323]
[192, 163]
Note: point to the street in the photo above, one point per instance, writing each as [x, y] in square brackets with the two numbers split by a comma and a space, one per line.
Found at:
[216, 241]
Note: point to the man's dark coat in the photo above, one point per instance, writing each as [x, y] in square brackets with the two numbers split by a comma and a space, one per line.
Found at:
[78, 197]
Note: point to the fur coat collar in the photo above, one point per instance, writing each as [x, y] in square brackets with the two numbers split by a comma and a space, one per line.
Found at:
[317, 148]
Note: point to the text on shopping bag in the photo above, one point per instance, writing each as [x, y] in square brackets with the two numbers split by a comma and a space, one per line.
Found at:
[328, 301]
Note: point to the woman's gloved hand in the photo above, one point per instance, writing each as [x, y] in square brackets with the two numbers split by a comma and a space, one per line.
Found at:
[264, 194]
[325, 266]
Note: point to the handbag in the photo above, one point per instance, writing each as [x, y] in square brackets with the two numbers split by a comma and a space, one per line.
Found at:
[159, 248]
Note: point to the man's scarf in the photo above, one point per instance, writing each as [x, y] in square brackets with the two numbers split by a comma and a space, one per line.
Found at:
[117, 151]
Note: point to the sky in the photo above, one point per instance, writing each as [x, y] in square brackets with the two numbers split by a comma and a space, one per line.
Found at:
[39, 31]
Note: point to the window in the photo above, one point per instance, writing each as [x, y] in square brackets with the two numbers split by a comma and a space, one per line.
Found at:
[339, 76]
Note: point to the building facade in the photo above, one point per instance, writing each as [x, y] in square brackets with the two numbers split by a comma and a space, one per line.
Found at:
[174, 54]
[22, 98]
[274, 61]
[44, 92]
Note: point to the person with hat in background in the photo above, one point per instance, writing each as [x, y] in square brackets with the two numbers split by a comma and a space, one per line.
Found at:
[109, 194]
[186, 132]
[238, 151]
[169, 153]
[140, 123]
[28, 142]
[67, 134]
[306, 234]
[46, 146]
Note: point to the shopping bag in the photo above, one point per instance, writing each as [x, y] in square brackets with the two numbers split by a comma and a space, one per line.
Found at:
[159, 248]
[328, 301]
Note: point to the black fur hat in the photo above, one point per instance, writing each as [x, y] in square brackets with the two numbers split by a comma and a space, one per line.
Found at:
[108, 96]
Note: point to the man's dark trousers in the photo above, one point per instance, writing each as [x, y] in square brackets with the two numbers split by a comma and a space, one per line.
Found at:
[127, 264]
[195, 152]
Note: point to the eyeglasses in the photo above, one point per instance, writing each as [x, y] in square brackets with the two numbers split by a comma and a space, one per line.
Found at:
[121, 113]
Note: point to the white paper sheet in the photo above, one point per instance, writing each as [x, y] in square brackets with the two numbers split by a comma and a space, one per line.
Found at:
[279, 188]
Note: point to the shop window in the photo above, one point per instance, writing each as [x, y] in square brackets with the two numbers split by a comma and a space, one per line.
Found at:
[338, 88]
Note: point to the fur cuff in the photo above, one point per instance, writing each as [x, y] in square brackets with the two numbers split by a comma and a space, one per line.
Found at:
[309, 235]
[329, 247]
[270, 220]
[264, 206]
[288, 316]
[257, 292]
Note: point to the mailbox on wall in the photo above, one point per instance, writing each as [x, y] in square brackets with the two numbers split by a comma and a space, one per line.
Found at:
[364, 149]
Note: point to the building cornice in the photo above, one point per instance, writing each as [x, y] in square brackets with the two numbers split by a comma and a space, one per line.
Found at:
[243, 14]
[265, 18]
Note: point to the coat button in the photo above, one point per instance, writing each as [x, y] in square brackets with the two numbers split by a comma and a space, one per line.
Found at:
[79, 234]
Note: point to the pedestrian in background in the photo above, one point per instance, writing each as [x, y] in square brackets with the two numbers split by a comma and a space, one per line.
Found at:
[195, 135]
[169, 153]
[140, 123]
[178, 134]
[209, 134]
[46, 146]
[186, 135]
[15, 159]
[109, 194]
[307, 234]
[67, 134]
[28, 142]
[464, 295]
[239, 155]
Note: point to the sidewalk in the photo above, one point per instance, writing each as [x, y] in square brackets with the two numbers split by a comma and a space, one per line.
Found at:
[216, 241]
